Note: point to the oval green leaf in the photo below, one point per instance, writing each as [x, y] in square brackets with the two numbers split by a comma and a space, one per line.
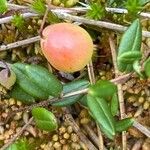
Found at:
[130, 57]
[44, 119]
[72, 87]
[21, 144]
[83, 101]
[75, 86]
[124, 124]
[102, 114]
[131, 41]
[114, 105]
[103, 88]
[37, 81]
[19, 94]
[27, 85]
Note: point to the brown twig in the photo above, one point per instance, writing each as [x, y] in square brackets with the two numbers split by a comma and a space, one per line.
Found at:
[43, 21]
[91, 73]
[121, 79]
[101, 24]
[141, 128]
[66, 16]
[120, 92]
[92, 81]
[18, 134]
[19, 43]
[137, 145]
[69, 119]
[91, 134]
[84, 9]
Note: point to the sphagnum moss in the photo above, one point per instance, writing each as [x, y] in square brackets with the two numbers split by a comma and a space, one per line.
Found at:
[63, 139]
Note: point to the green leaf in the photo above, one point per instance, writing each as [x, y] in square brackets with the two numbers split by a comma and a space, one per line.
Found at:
[75, 86]
[72, 87]
[83, 101]
[44, 119]
[12, 147]
[114, 105]
[129, 48]
[124, 124]
[29, 87]
[43, 79]
[96, 11]
[21, 144]
[37, 81]
[147, 67]
[129, 57]
[103, 88]
[131, 40]
[3, 6]
[102, 114]
[19, 94]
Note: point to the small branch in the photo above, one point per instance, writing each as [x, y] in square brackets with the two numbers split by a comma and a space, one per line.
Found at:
[84, 9]
[100, 138]
[138, 145]
[83, 91]
[101, 24]
[114, 56]
[19, 43]
[43, 22]
[125, 11]
[16, 7]
[91, 73]
[63, 15]
[91, 134]
[121, 79]
[122, 114]
[25, 15]
[141, 128]
[52, 7]
[18, 134]
[120, 92]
